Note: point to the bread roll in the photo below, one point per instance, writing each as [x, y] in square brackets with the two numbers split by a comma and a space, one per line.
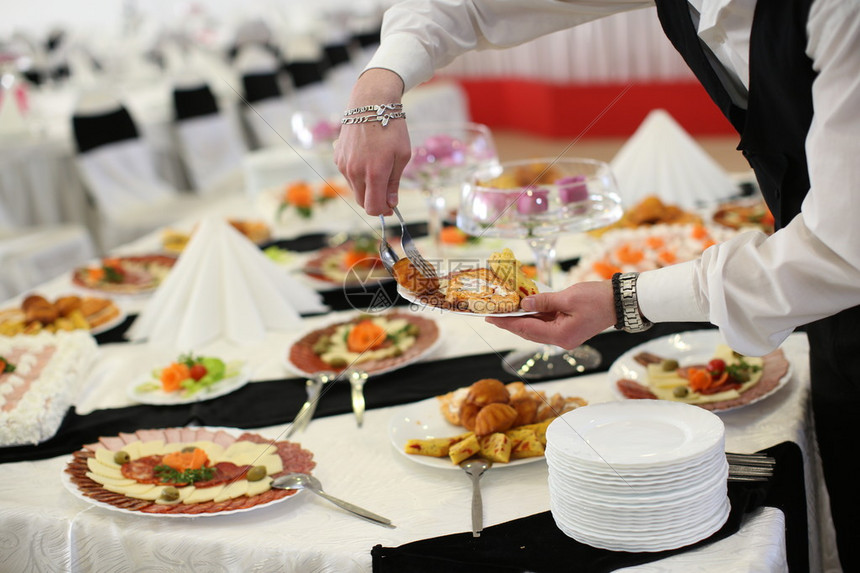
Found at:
[494, 418]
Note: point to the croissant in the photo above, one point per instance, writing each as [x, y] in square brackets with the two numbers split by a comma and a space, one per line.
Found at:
[468, 414]
[66, 304]
[494, 418]
[488, 391]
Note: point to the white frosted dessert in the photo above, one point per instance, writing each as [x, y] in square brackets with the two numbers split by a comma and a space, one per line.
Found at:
[46, 372]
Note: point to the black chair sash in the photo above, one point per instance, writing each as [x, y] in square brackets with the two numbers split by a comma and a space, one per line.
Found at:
[368, 39]
[336, 55]
[260, 86]
[93, 131]
[305, 73]
[194, 102]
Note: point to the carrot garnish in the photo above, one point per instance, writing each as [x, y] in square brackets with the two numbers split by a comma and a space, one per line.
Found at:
[181, 461]
[365, 335]
[173, 375]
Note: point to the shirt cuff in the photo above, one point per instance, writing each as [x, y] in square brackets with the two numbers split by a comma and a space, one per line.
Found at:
[668, 295]
[406, 57]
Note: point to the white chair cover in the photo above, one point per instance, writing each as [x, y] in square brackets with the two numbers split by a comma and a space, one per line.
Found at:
[30, 257]
[212, 148]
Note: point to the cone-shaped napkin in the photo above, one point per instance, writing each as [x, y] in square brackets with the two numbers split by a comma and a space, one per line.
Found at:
[222, 286]
[662, 159]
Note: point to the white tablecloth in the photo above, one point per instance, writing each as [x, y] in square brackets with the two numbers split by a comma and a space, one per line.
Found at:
[43, 523]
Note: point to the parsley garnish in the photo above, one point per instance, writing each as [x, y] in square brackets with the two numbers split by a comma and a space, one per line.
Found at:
[113, 275]
[169, 475]
[742, 371]
[6, 366]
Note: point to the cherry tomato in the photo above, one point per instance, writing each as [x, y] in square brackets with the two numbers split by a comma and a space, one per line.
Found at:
[198, 371]
[717, 366]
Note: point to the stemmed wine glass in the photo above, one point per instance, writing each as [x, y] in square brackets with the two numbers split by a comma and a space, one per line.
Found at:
[443, 155]
[314, 133]
[539, 200]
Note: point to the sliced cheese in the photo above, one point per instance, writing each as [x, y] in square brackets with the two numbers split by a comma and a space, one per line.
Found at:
[104, 480]
[202, 494]
[150, 448]
[106, 457]
[101, 469]
[213, 450]
[231, 490]
[136, 490]
[133, 450]
[186, 491]
[258, 487]
[273, 463]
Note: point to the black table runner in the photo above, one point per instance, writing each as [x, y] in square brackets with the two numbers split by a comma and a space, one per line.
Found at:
[278, 401]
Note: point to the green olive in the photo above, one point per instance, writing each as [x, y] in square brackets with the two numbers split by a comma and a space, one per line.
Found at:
[256, 473]
[680, 391]
[188, 450]
[668, 365]
[322, 344]
[338, 362]
[412, 329]
[741, 375]
[169, 493]
[121, 457]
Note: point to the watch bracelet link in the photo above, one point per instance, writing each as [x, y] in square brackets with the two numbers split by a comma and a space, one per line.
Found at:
[629, 316]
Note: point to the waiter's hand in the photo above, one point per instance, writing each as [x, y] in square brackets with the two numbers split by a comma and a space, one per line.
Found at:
[370, 156]
[566, 318]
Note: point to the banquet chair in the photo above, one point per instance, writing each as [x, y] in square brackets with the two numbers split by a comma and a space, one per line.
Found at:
[266, 106]
[128, 197]
[32, 256]
[211, 142]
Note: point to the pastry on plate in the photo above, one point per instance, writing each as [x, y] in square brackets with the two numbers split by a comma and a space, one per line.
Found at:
[480, 291]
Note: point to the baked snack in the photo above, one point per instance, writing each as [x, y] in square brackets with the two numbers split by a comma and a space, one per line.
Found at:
[409, 277]
[480, 291]
[494, 418]
[37, 314]
[509, 270]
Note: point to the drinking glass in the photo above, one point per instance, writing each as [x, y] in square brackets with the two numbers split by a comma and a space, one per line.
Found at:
[443, 155]
[539, 200]
[314, 133]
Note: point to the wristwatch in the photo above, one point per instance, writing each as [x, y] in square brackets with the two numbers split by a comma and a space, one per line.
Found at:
[629, 316]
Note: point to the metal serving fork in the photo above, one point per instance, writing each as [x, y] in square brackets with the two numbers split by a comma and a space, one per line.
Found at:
[412, 253]
[386, 253]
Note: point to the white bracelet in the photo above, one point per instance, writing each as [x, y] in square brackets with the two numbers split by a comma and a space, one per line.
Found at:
[379, 109]
[384, 118]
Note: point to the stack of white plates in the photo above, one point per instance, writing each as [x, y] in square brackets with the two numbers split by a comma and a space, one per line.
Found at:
[638, 475]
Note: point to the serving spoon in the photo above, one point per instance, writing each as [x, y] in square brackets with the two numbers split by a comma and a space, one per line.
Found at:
[309, 482]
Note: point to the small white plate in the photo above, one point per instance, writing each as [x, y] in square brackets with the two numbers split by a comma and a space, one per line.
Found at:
[693, 347]
[423, 420]
[112, 323]
[636, 434]
[161, 398]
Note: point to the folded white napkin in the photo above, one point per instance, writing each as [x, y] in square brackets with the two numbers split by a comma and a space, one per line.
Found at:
[222, 286]
[662, 159]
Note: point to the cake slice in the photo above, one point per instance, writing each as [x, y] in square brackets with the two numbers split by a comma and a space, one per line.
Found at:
[509, 270]
[480, 291]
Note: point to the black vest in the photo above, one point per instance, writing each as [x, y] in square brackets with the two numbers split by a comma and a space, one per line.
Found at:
[773, 132]
[773, 128]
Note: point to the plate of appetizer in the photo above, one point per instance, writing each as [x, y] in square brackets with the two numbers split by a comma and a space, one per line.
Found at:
[37, 314]
[494, 290]
[183, 472]
[189, 379]
[375, 343]
[697, 367]
[353, 263]
[126, 275]
[504, 423]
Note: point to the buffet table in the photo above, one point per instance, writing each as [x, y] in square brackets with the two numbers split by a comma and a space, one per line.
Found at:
[44, 525]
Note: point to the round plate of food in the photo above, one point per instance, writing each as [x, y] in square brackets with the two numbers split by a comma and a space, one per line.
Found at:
[37, 313]
[493, 290]
[126, 275]
[354, 263]
[697, 367]
[373, 343]
[189, 379]
[183, 472]
[431, 432]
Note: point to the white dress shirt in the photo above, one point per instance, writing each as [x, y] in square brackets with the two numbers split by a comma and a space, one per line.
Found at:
[757, 289]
